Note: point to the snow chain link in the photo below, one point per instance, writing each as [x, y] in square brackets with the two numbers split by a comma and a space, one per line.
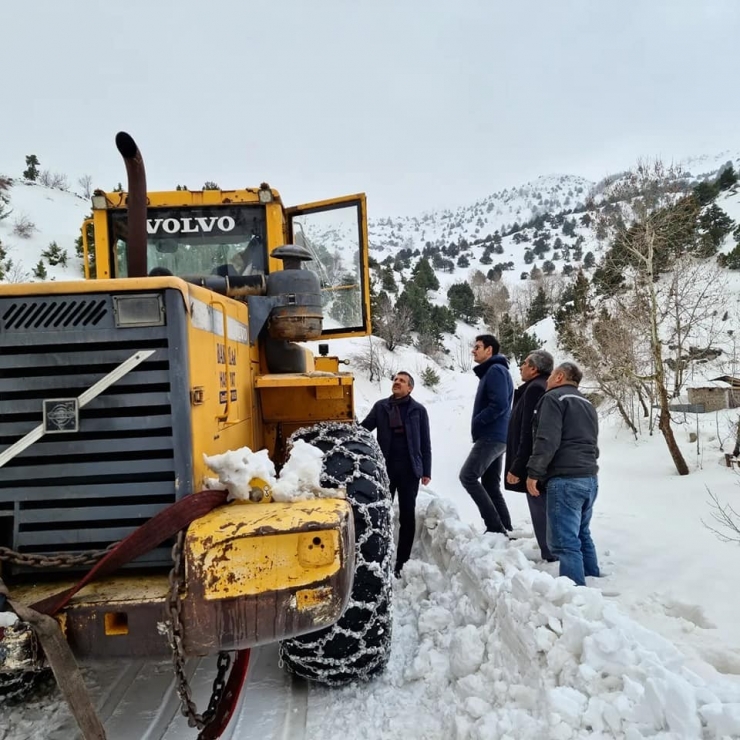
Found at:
[14, 686]
[175, 638]
[319, 666]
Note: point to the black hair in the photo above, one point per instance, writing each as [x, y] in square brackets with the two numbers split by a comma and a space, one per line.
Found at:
[488, 340]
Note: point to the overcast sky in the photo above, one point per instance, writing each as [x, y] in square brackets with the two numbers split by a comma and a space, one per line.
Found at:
[421, 103]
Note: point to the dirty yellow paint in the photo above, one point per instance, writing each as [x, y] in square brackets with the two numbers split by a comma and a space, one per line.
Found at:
[312, 598]
[241, 550]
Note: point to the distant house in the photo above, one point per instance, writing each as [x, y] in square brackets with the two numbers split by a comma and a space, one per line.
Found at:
[734, 386]
[714, 395]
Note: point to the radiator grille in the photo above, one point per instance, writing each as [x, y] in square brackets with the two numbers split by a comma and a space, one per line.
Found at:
[25, 315]
[85, 490]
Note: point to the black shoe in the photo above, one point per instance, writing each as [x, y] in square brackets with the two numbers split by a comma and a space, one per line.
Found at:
[396, 573]
[552, 559]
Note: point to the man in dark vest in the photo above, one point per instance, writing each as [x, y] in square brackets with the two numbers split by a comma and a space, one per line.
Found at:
[403, 437]
[535, 370]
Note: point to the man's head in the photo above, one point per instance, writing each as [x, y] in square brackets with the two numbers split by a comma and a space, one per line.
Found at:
[537, 363]
[403, 384]
[485, 347]
[566, 373]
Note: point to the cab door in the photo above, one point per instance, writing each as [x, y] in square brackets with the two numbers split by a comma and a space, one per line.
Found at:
[335, 232]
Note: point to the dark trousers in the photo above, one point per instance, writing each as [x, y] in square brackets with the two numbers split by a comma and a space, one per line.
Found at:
[480, 476]
[403, 480]
[538, 512]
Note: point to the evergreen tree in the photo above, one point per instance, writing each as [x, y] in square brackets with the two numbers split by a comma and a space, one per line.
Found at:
[461, 300]
[716, 224]
[548, 267]
[463, 261]
[388, 280]
[55, 255]
[727, 178]
[528, 256]
[515, 342]
[589, 260]
[424, 276]
[40, 270]
[32, 164]
[540, 308]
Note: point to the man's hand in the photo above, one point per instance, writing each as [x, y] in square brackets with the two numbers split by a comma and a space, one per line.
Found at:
[511, 478]
[426, 481]
[532, 487]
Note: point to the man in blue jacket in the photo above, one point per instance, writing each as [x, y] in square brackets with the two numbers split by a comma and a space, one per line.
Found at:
[404, 439]
[481, 472]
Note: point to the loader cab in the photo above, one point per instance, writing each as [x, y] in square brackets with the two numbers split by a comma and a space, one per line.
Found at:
[230, 233]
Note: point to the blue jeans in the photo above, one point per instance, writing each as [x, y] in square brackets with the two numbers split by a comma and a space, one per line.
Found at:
[570, 503]
[481, 478]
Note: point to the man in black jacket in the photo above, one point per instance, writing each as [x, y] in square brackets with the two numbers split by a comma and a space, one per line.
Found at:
[564, 455]
[535, 371]
[404, 439]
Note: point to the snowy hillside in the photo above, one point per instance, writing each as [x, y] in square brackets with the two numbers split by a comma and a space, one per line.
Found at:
[36, 217]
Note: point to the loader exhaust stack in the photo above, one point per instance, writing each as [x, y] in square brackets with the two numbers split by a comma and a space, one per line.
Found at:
[136, 204]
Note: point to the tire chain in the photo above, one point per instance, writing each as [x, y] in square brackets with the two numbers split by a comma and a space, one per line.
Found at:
[318, 666]
[175, 633]
[17, 686]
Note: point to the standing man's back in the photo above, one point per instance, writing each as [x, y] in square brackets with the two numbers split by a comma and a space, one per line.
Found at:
[564, 455]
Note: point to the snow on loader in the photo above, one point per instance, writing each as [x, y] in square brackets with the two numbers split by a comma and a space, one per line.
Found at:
[182, 344]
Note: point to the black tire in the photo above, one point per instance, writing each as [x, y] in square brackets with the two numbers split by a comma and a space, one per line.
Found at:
[16, 688]
[357, 646]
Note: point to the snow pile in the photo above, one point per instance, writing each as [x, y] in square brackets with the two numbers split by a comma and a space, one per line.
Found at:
[8, 619]
[298, 479]
[488, 646]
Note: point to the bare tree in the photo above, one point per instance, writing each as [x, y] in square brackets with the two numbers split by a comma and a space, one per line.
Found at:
[374, 361]
[24, 227]
[16, 273]
[644, 246]
[726, 520]
[393, 323]
[462, 356]
[85, 182]
[53, 180]
[493, 298]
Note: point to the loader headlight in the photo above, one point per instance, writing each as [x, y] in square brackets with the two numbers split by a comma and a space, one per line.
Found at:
[142, 309]
[264, 193]
[99, 202]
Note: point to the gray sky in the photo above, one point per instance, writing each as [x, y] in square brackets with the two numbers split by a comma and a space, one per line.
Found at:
[421, 104]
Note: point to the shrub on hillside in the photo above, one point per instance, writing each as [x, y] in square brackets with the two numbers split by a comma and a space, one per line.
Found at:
[53, 180]
[430, 377]
[24, 227]
[40, 271]
[55, 255]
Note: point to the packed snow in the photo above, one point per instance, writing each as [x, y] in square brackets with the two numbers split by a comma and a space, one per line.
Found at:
[298, 479]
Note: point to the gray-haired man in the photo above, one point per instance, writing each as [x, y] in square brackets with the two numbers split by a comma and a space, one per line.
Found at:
[564, 454]
[535, 371]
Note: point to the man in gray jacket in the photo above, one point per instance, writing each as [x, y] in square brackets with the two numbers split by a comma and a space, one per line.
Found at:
[564, 454]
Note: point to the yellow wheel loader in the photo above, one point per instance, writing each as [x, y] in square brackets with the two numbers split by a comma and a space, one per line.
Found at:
[183, 343]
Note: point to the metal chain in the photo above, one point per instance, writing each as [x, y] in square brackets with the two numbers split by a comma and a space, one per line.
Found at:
[175, 637]
[33, 560]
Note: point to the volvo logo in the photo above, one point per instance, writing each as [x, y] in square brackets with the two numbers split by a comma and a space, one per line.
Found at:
[61, 415]
[190, 225]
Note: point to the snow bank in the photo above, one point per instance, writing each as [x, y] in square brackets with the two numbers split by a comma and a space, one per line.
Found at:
[486, 646]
